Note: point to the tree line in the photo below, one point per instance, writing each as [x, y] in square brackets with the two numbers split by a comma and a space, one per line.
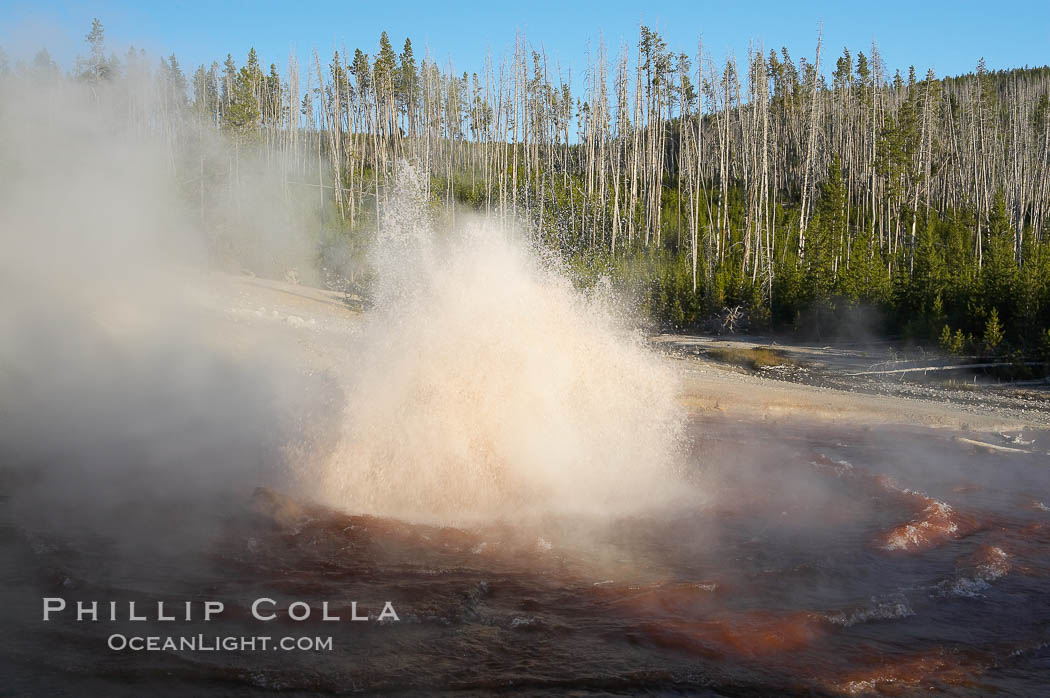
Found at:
[805, 193]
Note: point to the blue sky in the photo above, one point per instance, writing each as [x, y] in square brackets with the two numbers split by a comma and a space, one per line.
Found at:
[948, 36]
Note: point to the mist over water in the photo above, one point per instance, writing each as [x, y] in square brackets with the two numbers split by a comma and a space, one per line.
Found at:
[124, 407]
[486, 385]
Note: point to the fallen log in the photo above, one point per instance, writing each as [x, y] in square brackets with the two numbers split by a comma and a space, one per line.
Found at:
[991, 447]
[954, 367]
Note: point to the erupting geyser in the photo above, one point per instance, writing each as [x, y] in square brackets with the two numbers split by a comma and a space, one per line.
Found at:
[486, 385]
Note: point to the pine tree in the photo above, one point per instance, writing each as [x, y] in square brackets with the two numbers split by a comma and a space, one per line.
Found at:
[828, 234]
[993, 332]
[96, 68]
[172, 85]
[999, 273]
[408, 85]
[242, 112]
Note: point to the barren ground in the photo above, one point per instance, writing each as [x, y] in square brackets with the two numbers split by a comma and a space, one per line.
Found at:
[819, 385]
[842, 383]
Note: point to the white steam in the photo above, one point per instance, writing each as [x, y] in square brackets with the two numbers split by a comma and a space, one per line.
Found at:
[486, 385]
[483, 384]
[119, 394]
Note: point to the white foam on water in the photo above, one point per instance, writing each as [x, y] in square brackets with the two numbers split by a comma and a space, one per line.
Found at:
[887, 609]
[993, 565]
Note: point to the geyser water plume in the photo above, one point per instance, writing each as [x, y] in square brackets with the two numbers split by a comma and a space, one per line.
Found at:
[486, 385]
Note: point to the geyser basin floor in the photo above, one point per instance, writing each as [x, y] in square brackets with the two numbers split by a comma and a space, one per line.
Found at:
[779, 580]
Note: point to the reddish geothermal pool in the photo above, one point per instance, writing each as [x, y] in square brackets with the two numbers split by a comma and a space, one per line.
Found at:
[822, 561]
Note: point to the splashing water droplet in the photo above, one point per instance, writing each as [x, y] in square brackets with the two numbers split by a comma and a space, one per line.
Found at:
[486, 385]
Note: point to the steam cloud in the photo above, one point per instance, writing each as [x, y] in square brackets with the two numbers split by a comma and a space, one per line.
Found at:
[486, 385]
[118, 393]
[483, 384]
